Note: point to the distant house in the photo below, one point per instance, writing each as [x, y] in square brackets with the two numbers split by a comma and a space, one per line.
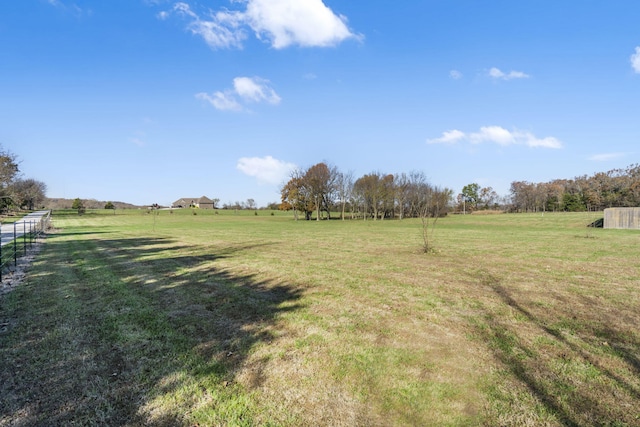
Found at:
[194, 202]
[622, 218]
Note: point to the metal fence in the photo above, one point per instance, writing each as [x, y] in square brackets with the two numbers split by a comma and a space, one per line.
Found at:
[19, 237]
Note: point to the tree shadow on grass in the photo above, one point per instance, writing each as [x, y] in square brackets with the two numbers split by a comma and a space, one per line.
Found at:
[580, 374]
[103, 329]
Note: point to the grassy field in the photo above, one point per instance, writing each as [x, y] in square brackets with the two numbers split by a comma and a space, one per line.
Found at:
[236, 319]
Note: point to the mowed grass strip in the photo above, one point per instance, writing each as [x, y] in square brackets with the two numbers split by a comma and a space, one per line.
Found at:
[236, 319]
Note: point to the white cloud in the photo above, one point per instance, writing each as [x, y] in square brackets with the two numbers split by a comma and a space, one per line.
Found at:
[218, 32]
[266, 169]
[532, 141]
[221, 100]
[497, 135]
[496, 73]
[245, 90]
[606, 156]
[448, 137]
[296, 22]
[307, 23]
[255, 90]
[455, 74]
[635, 60]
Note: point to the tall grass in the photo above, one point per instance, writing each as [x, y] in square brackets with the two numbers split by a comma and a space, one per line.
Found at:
[235, 319]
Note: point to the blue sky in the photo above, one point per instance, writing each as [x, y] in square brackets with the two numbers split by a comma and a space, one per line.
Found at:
[148, 101]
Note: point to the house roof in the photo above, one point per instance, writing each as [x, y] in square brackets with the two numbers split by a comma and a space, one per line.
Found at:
[185, 201]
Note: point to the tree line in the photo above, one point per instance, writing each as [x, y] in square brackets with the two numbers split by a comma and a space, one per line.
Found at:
[615, 188]
[322, 189]
[17, 192]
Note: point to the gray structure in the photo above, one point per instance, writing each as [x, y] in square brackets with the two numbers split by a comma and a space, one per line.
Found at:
[194, 202]
[622, 218]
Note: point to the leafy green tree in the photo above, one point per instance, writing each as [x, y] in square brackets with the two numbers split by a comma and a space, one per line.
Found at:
[79, 205]
[109, 205]
[574, 202]
[471, 193]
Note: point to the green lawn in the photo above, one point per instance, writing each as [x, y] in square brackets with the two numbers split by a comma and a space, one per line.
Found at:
[234, 318]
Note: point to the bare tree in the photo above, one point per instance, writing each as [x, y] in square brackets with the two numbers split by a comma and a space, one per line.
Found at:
[345, 189]
[402, 188]
[387, 196]
[321, 180]
[418, 186]
[488, 197]
[436, 200]
[28, 193]
[367, 189]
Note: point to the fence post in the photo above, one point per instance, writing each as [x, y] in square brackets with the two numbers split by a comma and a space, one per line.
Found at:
[15, 245]
[24, 239]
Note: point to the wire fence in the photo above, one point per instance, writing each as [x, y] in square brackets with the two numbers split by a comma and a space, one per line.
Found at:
[19, 237]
